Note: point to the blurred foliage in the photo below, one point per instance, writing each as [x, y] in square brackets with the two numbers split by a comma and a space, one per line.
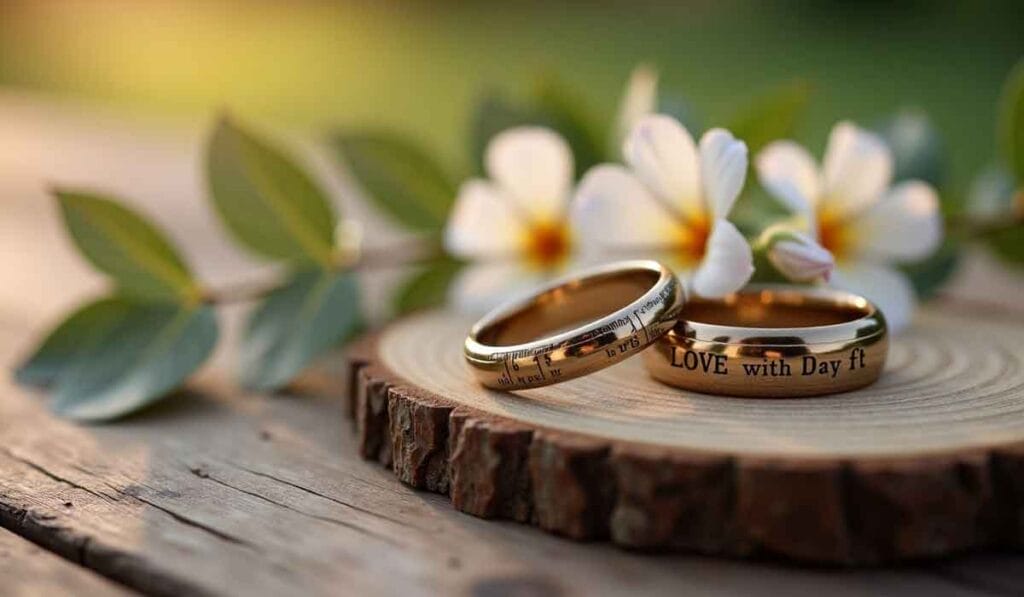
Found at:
[399, 177]
[275, 208]
[127, 350]
[929, 275]
[267, 201]
[1007, 238]
[569, 115]
[1011, 124]
[771, 116]
[418, 67]
[1007, 243]
[311, 313]
[146, 352]
[126, 247]
[427, 287]
[917, 147]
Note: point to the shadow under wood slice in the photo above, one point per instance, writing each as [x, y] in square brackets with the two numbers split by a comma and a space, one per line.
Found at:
[356, 356]
[372, 426]
[670, 499]
[792, 509]
[1007, 469]
[418, 428]
[914, 508]
[573, 486]
[489, 469]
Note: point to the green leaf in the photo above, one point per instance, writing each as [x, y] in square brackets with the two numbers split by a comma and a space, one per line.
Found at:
[1007, 244]
[1011, 121]
[566, 110]
[136, 360]
[757, 210]
[314, 312]
[493, 115]
[265, 198]
[402, 179]
[771, 116]
[916, 146]
[426, 288]
[65, 343]
[929, 275]
[125, 246]
[765, 272]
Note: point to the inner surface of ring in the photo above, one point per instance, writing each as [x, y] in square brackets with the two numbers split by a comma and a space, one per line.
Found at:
[569, 306]
[768, 309]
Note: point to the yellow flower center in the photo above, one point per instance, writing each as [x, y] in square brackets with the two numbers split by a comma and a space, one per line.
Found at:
[693, 239]
[548, 244]
[834, 235]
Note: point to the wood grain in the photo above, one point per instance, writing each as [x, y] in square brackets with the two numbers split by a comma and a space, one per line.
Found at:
[925, 463]
[27, 570]
[217, 493]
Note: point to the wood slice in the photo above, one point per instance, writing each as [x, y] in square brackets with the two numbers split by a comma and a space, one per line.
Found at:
[926, 462]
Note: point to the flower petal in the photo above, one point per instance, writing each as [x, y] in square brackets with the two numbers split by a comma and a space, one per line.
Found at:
[727, 265]
[801, 259]
[790, 174]
[886, 287]
[662, 154]
[483, 223]
[723, 170]
[613, 209]
[639, 100]
[481, 287]
[534, 166]
[857, 170]
[904, 226]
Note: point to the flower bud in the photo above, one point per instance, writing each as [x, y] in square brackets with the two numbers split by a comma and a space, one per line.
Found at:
[799, 257]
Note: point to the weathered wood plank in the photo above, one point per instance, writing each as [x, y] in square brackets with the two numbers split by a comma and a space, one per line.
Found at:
[27, 570]
[225, 494]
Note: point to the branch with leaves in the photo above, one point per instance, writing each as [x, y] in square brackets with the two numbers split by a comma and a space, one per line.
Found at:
[157, 324]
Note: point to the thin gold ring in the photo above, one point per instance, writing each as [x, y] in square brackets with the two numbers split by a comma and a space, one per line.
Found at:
[575, 325]
[773, 342]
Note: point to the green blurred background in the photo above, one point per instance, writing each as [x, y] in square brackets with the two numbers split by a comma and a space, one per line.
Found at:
[419, 67]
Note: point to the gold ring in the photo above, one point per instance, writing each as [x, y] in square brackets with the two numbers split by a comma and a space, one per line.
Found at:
[575, 326]
[773, 341]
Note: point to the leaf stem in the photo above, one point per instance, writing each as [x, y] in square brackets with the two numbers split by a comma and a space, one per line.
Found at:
[411, 252]
[965, 227]
[242, 291]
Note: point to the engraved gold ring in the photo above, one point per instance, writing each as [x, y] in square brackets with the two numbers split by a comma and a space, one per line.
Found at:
[773, 342]
[575, 325]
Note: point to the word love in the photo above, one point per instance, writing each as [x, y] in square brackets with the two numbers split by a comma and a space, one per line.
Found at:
[806, 365]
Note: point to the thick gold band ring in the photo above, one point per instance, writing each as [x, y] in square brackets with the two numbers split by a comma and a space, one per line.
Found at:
[575, 326]
[773, 341]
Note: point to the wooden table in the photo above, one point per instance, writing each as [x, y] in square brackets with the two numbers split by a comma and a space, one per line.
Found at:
[221, 492]
[225, 493]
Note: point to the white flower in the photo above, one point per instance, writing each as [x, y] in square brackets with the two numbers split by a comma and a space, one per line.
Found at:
[513, 227]
[798, 256]
[850, 208]
[671, 203]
